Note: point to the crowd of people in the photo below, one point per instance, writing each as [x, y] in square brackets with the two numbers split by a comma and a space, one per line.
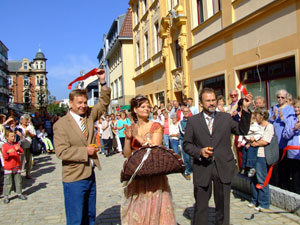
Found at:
[16, 135]
[204, 143]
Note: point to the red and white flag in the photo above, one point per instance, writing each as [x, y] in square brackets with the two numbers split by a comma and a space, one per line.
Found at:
[242, 89]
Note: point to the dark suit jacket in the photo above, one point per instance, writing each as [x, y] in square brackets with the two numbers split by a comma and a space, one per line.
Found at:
[71, 144]
[197, 136]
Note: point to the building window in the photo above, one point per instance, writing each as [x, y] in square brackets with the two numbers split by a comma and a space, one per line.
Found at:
[146, 47]
[36, 65]
[117, 89]
[37, 80]
[269, 78]
[156, 38]
[121, 86]
[137, 54]
[25, 66]
[137, 13]
[112, 90]
[10, 81]
[160, 97]
[207, 8]
[172, 4]
[26, 97]
[42, 65]
[26, 81]
[177, 54]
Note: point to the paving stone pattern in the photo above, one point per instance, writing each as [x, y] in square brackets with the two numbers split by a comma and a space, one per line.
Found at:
[45, 204]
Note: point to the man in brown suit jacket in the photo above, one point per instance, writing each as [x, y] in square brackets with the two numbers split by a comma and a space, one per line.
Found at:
[73, 139]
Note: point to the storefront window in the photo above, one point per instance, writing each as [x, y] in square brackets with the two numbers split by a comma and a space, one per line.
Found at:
[268, 78]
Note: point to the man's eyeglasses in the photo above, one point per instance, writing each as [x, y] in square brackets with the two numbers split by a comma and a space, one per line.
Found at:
[281, 97]
[233, 95]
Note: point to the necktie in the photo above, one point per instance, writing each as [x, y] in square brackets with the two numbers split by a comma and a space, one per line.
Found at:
[83, 126]
[210, 124]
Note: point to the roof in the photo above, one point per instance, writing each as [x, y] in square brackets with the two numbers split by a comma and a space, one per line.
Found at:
[126, 30]
[40, 55]
[14, 65]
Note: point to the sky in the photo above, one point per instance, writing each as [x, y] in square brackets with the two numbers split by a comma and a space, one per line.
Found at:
[69, 33]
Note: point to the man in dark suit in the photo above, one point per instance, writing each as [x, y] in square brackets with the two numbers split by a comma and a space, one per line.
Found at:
[73, 139]
[207, 140]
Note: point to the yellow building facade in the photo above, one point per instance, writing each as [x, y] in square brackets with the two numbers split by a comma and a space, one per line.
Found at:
[159, 42]
[255, 43]
[182, 46]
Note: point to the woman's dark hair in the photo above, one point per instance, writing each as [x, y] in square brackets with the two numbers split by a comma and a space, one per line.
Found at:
[136, 102]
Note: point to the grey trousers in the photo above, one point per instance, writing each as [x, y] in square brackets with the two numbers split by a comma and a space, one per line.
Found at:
[8, 183]
[26, 161]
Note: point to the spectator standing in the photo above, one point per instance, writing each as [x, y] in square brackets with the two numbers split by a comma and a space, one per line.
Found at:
[26, 132]
[277, 116]
[234, 96]
[122, 122]
[193, 109]
[37, 120]
[261, 197]
[166, 125]
[259, 101]
[291, 132]
[107, 135]
[99, 134]
[221, 104]
[174, 133]
[11, 152]
[175, 107]
[186, 158]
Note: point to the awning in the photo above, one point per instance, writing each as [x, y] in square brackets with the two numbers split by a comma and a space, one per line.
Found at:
[123, 107]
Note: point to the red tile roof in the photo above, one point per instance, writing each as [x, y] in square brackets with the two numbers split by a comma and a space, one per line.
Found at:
[126, 30]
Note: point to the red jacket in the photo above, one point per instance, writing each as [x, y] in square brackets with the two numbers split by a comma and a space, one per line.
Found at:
[12, 160]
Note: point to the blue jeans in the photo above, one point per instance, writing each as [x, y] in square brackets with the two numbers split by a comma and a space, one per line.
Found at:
[166, 140]
[249, 157]
[186, 159]
[260, 197]
[174, 145]
[80, 201]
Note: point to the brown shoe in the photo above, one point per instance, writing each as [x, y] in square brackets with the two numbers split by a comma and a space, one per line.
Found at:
[187, 177]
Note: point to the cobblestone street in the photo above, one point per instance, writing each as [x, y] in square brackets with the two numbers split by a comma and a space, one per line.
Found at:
[45, 204]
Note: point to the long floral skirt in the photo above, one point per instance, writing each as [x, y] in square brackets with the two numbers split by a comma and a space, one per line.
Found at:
[148, 201]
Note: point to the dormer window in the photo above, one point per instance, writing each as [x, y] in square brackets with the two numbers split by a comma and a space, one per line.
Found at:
[36, 65]
[42, 65]
[25, 66]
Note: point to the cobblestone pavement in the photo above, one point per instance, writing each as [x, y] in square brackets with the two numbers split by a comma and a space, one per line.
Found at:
[45, 204]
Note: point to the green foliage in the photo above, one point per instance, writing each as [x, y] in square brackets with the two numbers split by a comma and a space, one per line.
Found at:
[54, 108]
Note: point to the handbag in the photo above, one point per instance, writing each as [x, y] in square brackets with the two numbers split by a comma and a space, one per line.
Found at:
[37, 146]
[151, 161]
[272, 151]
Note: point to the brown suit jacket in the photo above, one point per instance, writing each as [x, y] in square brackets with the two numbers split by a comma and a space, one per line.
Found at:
[71, 144]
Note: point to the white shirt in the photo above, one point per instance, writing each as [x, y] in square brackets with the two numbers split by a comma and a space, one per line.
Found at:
[77, 119]
[174, 129]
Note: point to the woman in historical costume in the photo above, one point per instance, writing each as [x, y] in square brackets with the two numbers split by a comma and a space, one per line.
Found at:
[147, 201]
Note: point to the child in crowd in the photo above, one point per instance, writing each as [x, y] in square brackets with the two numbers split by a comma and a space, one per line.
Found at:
[250, 153]
[11, 152]
[41, 133]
